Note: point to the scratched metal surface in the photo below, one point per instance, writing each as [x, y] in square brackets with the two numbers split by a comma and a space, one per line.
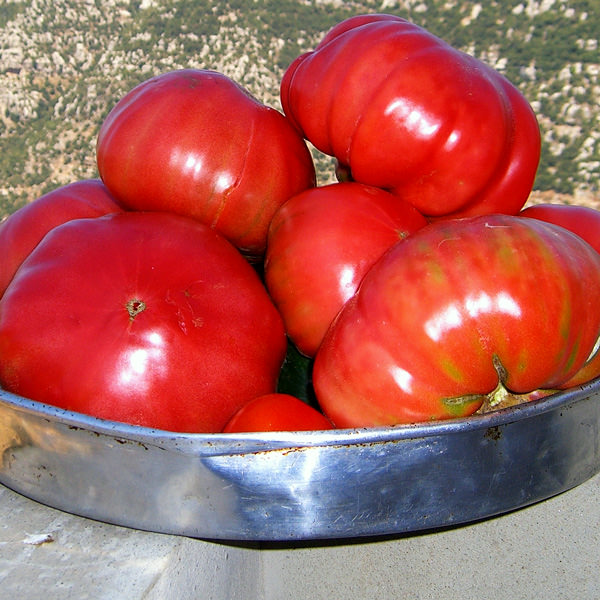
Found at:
[301, 485]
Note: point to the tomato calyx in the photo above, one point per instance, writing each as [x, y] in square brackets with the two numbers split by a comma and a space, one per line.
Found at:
[134, 307]
[460, 405]
[499, 397]
[502, 397]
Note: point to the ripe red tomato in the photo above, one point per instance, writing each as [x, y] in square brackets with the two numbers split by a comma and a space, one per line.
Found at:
[21, 232]
[402, 110]
[149, 318]
[321, 243]
[457, 308]
[582, 220]
[277, 412]
[196, 143]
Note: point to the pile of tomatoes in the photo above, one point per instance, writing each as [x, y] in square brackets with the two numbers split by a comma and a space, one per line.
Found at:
[167, 292]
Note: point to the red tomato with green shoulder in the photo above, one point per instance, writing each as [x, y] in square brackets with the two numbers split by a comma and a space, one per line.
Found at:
[277, 412]
[402, 110]
[582, 220]
[196, 143]
[146, 318]
[459, 311]
[21, 232]
[321, 243]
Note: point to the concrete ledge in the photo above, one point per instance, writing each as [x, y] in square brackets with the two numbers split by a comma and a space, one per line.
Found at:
[47, 554]
[549, 550]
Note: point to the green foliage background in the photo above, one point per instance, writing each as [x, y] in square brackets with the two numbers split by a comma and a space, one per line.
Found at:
[65, 63]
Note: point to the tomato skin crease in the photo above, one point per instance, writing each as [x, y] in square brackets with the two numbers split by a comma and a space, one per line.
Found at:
[402, 110]
[454, 309]
[196, 143]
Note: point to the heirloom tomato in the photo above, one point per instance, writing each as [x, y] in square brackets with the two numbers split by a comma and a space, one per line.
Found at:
[582, 220]
[147, 318]
[459, 310]
[585, 222]
[277, 412]
[21, 232]
[321, 243]
[196, 143]
[402, 110]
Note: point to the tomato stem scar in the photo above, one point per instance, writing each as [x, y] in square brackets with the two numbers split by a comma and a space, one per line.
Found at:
[135, 307]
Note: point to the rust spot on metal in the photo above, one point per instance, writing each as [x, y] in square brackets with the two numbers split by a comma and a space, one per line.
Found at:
[493, 433]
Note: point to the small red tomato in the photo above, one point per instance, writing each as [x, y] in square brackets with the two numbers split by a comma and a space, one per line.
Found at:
[196, 143]
[321, 243]
[581, 220]
[277, 412]
[21, 232]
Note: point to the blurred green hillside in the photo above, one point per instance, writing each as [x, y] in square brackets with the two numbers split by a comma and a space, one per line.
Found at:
[65, 63]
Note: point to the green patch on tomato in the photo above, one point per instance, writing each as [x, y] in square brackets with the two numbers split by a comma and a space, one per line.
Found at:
[461, 406]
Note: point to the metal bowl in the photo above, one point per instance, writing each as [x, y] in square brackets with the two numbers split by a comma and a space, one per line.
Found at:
[301, 485]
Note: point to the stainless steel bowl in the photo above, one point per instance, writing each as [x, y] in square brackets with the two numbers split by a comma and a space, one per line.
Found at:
[293, 486]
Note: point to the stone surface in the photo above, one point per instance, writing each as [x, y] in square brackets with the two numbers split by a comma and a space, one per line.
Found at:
[548, 550]
[47, 554]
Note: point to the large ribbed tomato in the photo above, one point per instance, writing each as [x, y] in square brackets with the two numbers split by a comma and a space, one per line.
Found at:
[402, 110]
[196, 143]
[457, 309]
[149, 318]
[21, 232]
[585, 222]
[321, 243]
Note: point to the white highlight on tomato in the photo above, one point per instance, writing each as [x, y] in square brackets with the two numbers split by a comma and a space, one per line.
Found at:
[137, 362]
[413, 117]
[452, 316]
[444, 321]
[402, 378]
[347, 284]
